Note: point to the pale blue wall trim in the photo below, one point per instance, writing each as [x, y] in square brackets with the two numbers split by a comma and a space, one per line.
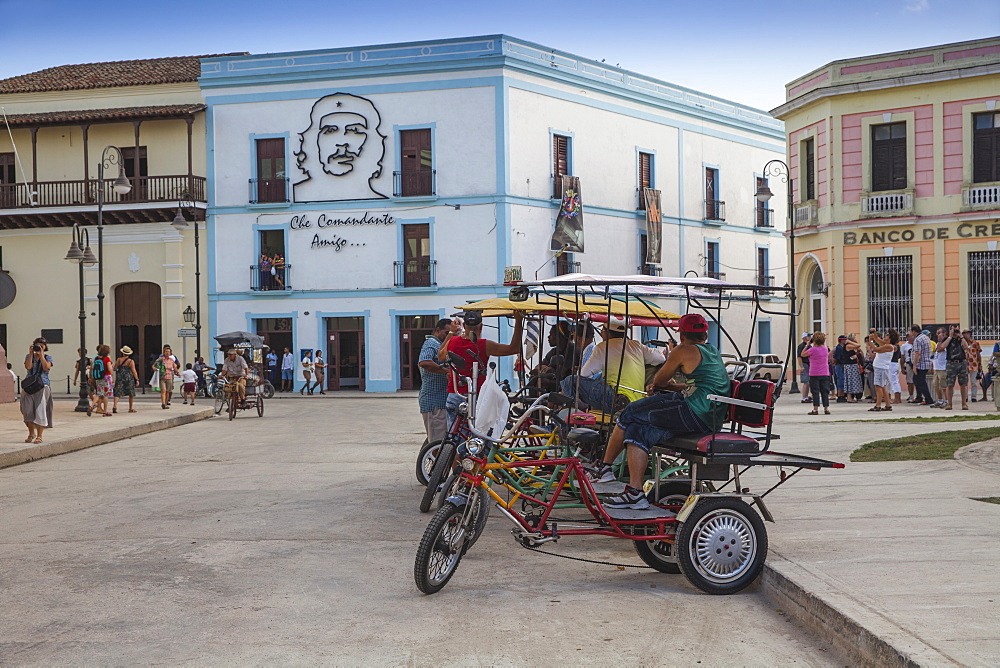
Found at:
[257, 229]
[210, 224]
[485, 292]
[680, 202]
[481, 52]
[294, 316]
[321, 316]
[396, 343]
[501, 212]
[763, 336]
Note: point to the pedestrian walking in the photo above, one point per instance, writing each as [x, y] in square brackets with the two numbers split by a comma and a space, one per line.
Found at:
[974, 359]
[126, 376]
[433, 395]
[922, 363]
[287, 370]
[818, 356]
[319, 370]
[189, 383]
[102, 374]
[169, 367]
[804, 372]
[36, 406]
[306, 372]
[839, 357]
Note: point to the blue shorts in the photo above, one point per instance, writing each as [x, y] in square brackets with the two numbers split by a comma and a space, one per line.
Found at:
[658, 418]
[286, 374]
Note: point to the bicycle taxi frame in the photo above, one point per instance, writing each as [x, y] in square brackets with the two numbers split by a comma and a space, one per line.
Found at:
[708, 526]
[251, 346]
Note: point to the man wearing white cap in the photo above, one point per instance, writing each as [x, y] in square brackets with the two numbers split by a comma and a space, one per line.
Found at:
[804, 372]
[622, 364]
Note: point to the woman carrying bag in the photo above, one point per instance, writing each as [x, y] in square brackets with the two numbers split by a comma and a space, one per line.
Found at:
[126, 376]
[36, 392]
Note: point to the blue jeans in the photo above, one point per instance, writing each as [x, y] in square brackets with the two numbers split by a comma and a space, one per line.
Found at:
[838, 377]
[658, 418]
[593, 392]
[451, 407]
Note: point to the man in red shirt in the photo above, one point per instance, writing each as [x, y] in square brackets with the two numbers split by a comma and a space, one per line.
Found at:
[471, 347]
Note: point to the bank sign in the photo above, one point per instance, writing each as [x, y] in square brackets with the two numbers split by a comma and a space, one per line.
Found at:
[963, 231]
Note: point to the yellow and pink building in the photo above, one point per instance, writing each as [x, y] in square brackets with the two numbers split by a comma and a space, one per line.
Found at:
[895, 166]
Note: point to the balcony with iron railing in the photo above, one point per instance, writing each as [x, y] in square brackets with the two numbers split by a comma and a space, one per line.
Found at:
[650, 270]
[414, 184]
[717, 275]
[766, 281]
[419, 272]
[268, 191]
[265, 278]
[763, 217]
[715, 211]
[87, 192]
[566, 266]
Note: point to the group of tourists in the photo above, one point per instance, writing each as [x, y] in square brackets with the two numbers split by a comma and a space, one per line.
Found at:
[272, 270]
[874, 370]
[281, 370]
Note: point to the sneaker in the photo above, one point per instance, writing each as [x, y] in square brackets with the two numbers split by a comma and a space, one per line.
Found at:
[600, 473]
[185, 402]
[631, 498]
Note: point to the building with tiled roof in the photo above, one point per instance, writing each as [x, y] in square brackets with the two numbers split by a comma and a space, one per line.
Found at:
[141, 118]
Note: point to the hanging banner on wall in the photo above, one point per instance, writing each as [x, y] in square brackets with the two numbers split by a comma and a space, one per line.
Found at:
[569, 223]
[654, 226]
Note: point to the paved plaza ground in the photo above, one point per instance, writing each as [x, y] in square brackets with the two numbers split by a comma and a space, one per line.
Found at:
[290, 538]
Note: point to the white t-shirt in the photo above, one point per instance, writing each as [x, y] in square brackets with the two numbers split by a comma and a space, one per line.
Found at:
[904, 351]
[940, 359]
[189, 376]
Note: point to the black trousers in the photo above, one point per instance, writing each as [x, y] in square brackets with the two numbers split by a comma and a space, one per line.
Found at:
[920, 382]
[819, 386]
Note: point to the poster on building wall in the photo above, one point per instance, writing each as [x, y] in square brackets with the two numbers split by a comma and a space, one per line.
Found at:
[654, 226]
[569, 224]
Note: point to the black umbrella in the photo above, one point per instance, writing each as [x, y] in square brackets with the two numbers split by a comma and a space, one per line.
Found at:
[241, 339]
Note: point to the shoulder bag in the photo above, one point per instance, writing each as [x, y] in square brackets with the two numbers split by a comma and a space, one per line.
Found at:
[33, 381]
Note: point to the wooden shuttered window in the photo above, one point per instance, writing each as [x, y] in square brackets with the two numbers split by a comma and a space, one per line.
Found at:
[560, 163]
[761, 207]
[889, 156]
[271, 177]
[986, 147]
[416, 255]
[416, 163]
[645, 176]
[810, 157]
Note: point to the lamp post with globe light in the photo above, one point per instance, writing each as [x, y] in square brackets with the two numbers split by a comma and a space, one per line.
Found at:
[111, 156]
[779, 169]
[79, 252]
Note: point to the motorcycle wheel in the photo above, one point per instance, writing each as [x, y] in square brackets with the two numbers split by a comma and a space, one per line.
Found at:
[480, 500]
[440, 550]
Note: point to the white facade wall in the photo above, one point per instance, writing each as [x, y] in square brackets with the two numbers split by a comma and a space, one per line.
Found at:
[492, 133]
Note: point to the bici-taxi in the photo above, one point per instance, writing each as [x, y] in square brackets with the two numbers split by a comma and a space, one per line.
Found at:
[708, 525]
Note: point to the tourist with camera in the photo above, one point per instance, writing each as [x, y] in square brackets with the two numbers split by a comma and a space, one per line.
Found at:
[36, 392]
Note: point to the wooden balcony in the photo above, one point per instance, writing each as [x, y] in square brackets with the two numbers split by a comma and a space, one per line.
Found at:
[76, 201]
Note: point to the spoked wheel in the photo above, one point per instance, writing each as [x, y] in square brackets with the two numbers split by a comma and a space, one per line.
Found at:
[722, 545]
[260, 406]
[267, 390]
[221, 403]
[441, 548]
[442, 467]
[659, 554]
[425, 460]
[480, 504]
[234, 402]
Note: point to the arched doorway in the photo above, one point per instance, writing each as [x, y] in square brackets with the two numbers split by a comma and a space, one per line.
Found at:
[817, 301]
[139, 323]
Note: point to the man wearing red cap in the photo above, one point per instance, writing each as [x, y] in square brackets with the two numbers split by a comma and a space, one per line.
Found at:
[682, 408]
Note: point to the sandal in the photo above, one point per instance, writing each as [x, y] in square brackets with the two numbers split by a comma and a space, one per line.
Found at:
[887, 408]
[132, 410]
[813, 413]
[29, 439]
[826, 411]
[965, 407]
[874, 409]
[107, 415]
[38, 440]
[114, 410]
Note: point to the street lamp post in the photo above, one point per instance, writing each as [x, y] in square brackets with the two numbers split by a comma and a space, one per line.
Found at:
[112, 155]
[779, 169]
[84, 257]
[180, 224]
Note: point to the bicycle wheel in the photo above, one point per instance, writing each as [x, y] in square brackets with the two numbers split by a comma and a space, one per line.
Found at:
[480, 504]
[441, 549]
[221, 403]
[267, 391]
[425, 460]
[656, 553]
[442, 467]
[260, 406]
[233, 405]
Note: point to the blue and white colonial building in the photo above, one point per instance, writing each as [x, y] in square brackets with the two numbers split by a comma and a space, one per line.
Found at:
[358, 194]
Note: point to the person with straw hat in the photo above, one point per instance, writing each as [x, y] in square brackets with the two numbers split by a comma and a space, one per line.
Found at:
[126, 377]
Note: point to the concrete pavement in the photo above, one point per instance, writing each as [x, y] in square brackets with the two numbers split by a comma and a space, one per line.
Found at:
[893, 562]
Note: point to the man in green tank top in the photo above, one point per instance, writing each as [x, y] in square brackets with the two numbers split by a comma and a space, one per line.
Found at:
[681, 409]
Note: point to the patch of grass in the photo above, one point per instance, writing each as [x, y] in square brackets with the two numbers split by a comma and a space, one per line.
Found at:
[987, 499]
[967, 417]
[941, 445]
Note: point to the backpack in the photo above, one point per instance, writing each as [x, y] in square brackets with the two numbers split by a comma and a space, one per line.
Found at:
[97, 369]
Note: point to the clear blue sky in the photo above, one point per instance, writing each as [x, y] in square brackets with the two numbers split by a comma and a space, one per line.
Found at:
[744, 51]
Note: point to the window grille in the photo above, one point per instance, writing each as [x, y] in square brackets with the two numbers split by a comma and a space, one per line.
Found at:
[890, 292]
[984, 295]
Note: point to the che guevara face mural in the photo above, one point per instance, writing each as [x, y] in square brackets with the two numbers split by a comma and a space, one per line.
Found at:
[340, 153]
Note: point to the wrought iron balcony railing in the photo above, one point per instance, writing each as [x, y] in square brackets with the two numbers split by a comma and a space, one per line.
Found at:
[82, 192]
[417, 272]
[265, 278]
[765, 217]
[715, 209]
[266, 191]
[414, 184]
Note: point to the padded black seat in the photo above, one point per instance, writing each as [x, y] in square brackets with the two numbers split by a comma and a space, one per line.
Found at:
[584, 437]
[724, 443]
